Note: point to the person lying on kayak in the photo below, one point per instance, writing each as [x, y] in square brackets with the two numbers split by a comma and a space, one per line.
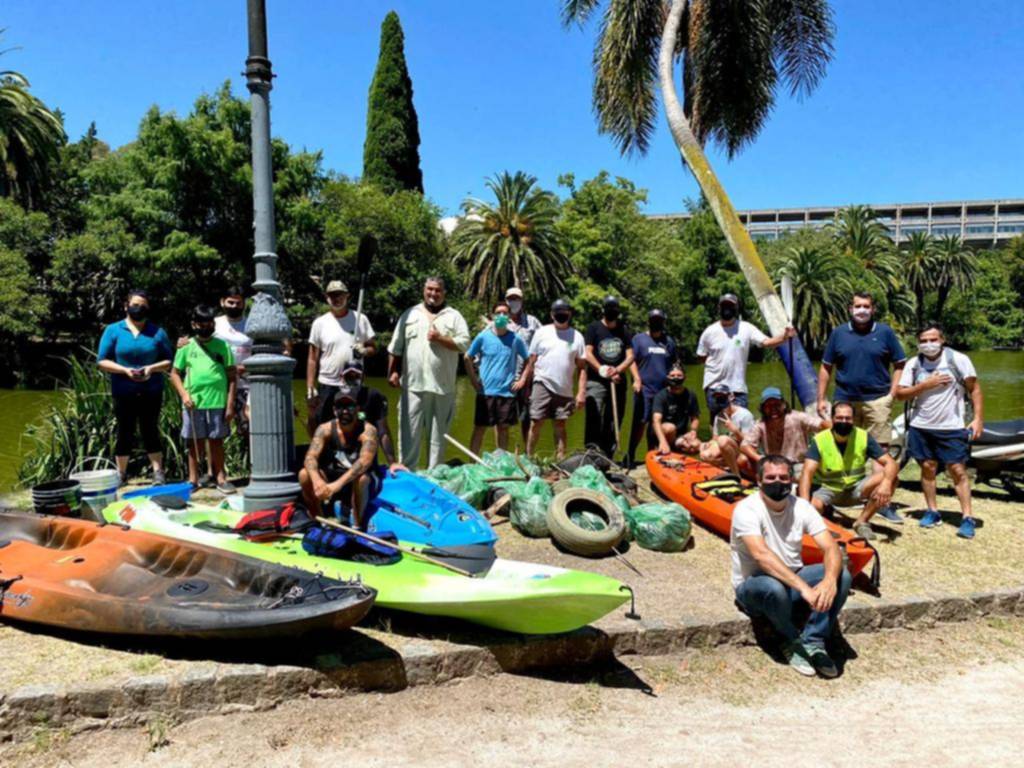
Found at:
[780, 431]
[341, 463]
[840, 461]
[674, 412]
[769, 575]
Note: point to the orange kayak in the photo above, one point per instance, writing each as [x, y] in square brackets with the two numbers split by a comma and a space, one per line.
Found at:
[710, 494]
[92, 577]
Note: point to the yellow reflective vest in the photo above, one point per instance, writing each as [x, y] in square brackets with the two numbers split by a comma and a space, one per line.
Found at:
[839, 471]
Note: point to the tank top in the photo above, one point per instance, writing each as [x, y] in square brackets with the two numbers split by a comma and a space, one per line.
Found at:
[341, 452]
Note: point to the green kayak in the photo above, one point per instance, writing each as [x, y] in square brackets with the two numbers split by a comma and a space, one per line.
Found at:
[510, 595]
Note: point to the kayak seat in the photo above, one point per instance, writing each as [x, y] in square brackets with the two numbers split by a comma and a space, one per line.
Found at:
[1002, 433]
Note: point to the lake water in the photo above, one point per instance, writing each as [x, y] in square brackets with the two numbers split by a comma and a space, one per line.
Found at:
[1001, 375]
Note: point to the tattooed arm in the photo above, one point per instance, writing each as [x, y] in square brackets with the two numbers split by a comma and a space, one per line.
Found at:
[312, 461]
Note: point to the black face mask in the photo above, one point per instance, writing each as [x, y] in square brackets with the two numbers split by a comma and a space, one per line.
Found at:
[234, 312]
[722, 402]
[657, 325]
[612, 313]
[842, 428]
[676, 383]
[204, 332]
[561, 317]
[776, 491]
[137, 311]
[727, 312]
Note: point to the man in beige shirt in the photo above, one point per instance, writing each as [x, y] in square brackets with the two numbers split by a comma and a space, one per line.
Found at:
[423, 360]
[780, 431]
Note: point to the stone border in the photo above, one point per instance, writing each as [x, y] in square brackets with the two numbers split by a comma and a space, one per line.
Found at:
[212, 688]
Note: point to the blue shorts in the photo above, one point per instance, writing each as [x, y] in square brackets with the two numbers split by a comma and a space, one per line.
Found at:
[208, 423]
[947, 446]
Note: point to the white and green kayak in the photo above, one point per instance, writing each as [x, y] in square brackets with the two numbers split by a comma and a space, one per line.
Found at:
[509, 595]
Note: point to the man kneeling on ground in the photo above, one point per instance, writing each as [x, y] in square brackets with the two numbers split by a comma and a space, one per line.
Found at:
[840, 461]
[341, 463]
[769, 575]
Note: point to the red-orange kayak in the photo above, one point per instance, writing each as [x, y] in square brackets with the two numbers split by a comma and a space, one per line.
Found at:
[710, 494]
[90, 577]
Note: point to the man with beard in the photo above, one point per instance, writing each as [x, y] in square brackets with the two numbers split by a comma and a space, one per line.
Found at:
[780, 431]
[609, 354]
[373, 409]
[840, 461]
[340, 465]
[424, 360]
[935, 382]
[769, 575]
[337, 337]
[724, 348]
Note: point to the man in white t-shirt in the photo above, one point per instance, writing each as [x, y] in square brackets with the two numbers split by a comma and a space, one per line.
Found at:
[724, 348]
[935, 381]
[230, 327]
[336, 338]
[557, 357]
[768, 571]
[423, 360]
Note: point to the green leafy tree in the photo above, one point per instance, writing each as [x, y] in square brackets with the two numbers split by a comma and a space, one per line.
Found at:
[919, 269]
[30, 140]
[821, 291]
[956, 268]
[391, 153]
[512, 241]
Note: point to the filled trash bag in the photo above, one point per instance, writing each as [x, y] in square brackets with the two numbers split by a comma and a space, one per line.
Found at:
[594, 479]
[663, 527]
[528, 509]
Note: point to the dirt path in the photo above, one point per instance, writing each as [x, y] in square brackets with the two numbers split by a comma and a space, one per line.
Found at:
[949, 696]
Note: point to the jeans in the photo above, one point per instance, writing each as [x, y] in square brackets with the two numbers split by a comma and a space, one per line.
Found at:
[766, 596]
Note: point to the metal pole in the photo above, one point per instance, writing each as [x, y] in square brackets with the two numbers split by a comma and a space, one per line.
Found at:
[272, 438]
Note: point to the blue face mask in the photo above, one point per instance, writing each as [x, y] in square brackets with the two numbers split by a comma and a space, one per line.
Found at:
[501, 321]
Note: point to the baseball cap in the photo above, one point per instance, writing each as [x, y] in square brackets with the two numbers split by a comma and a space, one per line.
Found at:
[656, 313]
[560, 304]
[353, 366]
[729, 298]
[721, 389]
[346, 393]
[336, 286]
[513, 293]
[771, 393]
[611, 301]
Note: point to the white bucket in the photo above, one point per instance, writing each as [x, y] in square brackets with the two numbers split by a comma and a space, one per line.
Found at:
[99, 486]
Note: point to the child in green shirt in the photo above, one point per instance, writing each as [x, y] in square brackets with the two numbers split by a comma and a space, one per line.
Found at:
[204, 377]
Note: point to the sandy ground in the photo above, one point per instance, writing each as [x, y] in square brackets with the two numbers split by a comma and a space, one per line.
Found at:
[946, 696]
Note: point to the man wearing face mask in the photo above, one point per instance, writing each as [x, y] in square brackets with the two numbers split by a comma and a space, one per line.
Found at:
[609, 354]
[424, 360]
[675, 414]
[373, 409]
[840, 460]
[204, 378]
[724, 348]
[557, 356]
[769, 575]
[230, 328]
[341, 463]
[654, 354]
[935, 382]
[499, 352]
[523, 325]
[780, 431]
[862, 353]
[336, 337]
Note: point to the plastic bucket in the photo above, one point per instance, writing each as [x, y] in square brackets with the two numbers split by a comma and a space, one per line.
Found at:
[99, 487]
[59, 497]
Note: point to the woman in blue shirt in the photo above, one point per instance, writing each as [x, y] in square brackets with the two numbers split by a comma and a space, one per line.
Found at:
[136, 352]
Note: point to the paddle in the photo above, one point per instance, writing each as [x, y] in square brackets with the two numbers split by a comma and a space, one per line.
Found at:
[787, 304]
[364, 258]
[392, 545]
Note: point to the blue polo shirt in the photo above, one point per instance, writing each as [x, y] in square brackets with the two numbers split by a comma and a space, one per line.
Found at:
[654, 358]
[498, 357]
[119, 344]
[861, 361]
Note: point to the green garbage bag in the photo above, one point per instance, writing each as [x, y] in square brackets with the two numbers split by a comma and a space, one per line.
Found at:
[588, 521]
[529, 506]
[661, 527]
[591, 477]
[468, 482]
[504, 464]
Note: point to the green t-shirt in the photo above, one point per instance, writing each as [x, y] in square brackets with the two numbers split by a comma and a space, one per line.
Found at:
[205, 370]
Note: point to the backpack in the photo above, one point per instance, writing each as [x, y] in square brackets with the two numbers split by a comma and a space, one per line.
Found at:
[958, 376]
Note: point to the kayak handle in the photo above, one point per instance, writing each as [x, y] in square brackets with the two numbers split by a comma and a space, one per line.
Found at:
[631, 613]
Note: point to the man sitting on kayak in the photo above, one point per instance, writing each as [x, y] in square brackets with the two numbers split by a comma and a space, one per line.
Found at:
[341, 463]
[674, 412]
[840, 460]
[780, 430]
[769, 575]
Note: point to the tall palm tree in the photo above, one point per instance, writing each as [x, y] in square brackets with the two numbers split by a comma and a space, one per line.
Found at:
[512, 241]
[861, 236]
[30, 139]
[734, 56]
[821, 291]
[956, 267]
[919, 269]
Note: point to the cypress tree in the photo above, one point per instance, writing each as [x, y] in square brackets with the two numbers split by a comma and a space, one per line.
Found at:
[391, 154]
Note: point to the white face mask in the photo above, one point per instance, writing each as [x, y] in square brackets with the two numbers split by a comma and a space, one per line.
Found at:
[929, 348]
[515, 305]
[861, 314]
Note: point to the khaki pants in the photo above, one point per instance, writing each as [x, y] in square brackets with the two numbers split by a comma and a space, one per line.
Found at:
[419, 411]
[876, 417]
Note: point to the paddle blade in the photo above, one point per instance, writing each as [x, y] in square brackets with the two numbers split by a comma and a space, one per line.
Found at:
[367, 252]
[787, 296]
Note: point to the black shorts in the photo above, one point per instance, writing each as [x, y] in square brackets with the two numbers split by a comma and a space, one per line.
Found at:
[495, 411]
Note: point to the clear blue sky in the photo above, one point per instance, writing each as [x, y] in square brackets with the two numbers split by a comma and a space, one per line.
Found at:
[924, 101]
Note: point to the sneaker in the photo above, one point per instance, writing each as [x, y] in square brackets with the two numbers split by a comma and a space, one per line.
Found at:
[207, 481]
[890, 515]
[226, 487]
[821, 662]
[796, 657]
[930, 519]
[159, 477]
[966, 529]
[864, 531]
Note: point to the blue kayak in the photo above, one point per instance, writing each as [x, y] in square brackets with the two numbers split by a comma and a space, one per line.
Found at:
[418, 510]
